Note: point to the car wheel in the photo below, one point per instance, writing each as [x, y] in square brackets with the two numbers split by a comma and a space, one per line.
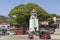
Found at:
[49, 38]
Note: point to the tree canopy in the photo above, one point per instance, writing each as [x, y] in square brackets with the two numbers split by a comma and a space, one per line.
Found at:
[21, 13]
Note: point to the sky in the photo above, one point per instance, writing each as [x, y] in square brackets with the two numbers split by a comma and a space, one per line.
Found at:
[51, 6]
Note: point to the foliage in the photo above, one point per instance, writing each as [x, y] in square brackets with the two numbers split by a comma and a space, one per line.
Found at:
[22, 13]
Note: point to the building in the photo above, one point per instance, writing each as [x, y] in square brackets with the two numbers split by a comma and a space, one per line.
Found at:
[4, 26]
[57, 21]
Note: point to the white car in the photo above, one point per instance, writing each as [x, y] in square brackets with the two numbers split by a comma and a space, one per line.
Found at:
[51, 30]
[0, 32]
[10, 32]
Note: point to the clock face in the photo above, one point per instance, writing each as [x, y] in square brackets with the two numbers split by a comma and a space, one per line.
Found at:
[33, 14]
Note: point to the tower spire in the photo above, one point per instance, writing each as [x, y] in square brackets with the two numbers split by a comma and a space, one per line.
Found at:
[33, 11]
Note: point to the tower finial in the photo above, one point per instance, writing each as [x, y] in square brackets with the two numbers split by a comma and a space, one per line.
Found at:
[33, 11]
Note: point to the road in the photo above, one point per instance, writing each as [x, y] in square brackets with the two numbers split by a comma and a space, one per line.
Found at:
[25, 37]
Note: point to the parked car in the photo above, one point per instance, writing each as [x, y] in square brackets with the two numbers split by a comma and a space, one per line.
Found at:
[4, 32]
[10, 32]
[18, 31]
[0, 32]
[44, 35]
[44, 29]
[51, 30]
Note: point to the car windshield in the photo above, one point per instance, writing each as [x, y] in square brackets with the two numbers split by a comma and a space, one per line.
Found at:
[44, 32]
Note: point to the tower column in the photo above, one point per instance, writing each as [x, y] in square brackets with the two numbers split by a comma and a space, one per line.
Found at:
[33, 22]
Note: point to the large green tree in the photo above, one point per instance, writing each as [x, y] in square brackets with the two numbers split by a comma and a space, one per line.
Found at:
[21, 13]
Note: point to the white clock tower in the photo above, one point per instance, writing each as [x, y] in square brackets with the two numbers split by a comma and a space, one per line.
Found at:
[33, 22]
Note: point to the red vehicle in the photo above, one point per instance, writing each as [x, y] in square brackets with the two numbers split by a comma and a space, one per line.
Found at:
[18, 31]
[44, 35]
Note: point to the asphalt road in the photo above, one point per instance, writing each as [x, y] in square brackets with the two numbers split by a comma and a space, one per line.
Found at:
[25, 37]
